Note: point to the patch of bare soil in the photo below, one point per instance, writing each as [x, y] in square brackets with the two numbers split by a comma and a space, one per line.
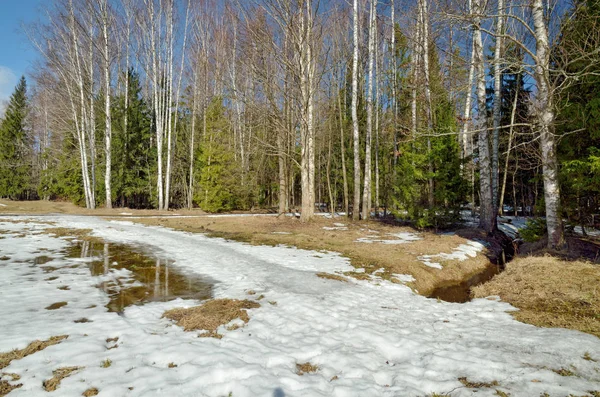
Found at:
[56, 305]
[550, 292]
[323, 235]
[211, 315]
[33, 347]
[59, 374]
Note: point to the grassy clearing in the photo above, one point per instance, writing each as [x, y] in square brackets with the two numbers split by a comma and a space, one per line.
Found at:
[211, 315]
[33, 347]
[320, 234]
[550, 292]
[59, 374]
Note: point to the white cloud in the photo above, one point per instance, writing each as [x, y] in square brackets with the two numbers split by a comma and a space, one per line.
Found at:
[8, 81]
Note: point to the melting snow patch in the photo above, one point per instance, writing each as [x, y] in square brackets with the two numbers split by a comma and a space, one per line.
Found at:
[460, 253]
[400, 238]
[281, 233]
[335, 228]
[405, 278]
[2, 205]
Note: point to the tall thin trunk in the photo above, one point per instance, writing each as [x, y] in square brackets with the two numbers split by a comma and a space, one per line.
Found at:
[424, 17]
[356, 133]
[545, 112]
[343, 150]
[377, 68]
[487, 215]
[366, 205]
[107, 115]
[497, 102]
[510, 141]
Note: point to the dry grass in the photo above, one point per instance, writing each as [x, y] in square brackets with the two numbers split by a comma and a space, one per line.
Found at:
[306, 368]
[330, 276]
[6, 387]
[550, 292]
[92, 391]
[393, 258]
[33, 347]
[211, 315]
[59, 374]
[477, 385]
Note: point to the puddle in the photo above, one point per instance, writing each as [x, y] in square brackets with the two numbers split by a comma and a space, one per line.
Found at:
[149, 278]
[461, 293]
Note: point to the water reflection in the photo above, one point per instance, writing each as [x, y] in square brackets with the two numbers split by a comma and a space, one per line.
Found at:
[150, 278]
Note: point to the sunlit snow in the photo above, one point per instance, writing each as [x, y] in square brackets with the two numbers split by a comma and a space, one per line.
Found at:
[367, 338]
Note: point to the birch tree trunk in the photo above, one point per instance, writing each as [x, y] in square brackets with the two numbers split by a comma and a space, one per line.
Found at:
[366, 205]
[545, 114]
[497, 102]
[355, 131]
[107, 115]
[307, 167]
[487, 215]
[424, 12]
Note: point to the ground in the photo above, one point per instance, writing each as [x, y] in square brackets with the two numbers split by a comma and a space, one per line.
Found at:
[294, 333]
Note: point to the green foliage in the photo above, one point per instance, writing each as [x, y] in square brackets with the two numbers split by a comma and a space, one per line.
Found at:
[63, 179]
[134, 156]
[534, 230]
[579, 116]
[218, 179]
[15, 166]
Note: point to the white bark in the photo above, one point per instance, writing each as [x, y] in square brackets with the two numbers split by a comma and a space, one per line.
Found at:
[424, 12]
[356, 133]
[545, 114]
[497, 102]
[107, 95]
[366, 205]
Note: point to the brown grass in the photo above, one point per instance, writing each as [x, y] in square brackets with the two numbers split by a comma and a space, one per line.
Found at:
[211, 315]
[306, 368]
[476, 385]
[92, 391]
[330, 276]
[59, 374]
[6, 387]
[33, 347]
[550, 292]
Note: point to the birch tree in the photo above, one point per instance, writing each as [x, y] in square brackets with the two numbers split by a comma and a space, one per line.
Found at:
[355, 130]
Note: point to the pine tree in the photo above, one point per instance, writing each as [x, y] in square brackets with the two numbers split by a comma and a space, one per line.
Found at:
[14, 166]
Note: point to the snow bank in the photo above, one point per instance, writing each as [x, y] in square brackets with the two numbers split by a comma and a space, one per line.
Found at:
[460, 253]
[368, 339]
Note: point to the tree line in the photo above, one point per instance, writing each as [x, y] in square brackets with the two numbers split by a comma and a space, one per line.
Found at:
[415, 109]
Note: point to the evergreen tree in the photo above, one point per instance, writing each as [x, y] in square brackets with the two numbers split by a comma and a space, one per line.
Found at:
[579, 116]
[218, 180]
[14, 146]
[134, 156]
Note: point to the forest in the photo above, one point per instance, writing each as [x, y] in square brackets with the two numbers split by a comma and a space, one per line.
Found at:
[413, 109]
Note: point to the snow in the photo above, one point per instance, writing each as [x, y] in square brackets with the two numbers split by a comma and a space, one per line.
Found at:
[3, 205]
[460, 253]
[399, 238]
[377, 338]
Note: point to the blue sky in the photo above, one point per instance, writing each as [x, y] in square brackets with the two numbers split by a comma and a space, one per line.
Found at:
[16, 54]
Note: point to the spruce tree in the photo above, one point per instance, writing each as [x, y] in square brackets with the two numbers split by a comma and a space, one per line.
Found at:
[14, 166]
